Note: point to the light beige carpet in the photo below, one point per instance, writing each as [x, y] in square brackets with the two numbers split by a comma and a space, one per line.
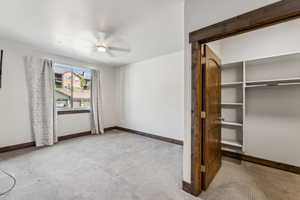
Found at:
[247, 181]
[124, 166]
[236, 190]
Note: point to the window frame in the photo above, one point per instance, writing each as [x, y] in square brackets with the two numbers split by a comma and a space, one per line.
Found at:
[72, 110]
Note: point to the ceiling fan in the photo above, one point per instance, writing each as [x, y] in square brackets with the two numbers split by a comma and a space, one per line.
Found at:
[103, 45]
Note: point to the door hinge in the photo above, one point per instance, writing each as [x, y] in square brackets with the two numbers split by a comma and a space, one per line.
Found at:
[203, 169]
[203, 115]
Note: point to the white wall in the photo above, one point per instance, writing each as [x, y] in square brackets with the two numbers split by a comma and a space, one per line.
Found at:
[198, 14]
[275, 40]
[151, 96]
[14, 110]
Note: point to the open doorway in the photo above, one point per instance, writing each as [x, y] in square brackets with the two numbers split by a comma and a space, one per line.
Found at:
[247, 111]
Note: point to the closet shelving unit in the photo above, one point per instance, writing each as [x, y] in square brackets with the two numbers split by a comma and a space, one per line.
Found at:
[237, 78]
[233, 105]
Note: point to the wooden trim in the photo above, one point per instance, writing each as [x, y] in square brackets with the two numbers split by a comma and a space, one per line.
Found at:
[75, 135]
[1, 61]
[110, 128]
[157, 137]
[60, 138]
[196, 131]
[262, 17]
[86, 133]
[16, 147]
[268, 163]
[187, 187]
[67, 112]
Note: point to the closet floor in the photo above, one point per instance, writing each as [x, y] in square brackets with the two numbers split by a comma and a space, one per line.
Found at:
[124, 166]
[247, 181]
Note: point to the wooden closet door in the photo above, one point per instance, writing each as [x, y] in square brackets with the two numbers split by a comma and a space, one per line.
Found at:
[211, 115]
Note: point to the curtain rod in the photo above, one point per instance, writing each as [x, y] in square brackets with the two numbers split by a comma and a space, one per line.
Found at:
[83, 66]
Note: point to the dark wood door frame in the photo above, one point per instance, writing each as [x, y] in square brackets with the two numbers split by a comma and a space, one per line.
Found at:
[275, 13]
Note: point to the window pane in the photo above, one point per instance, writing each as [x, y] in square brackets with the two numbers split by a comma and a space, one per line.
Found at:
[81, 88]
[63, 89]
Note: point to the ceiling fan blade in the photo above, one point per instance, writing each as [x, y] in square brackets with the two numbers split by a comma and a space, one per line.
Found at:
[119, 49]
[108, 52]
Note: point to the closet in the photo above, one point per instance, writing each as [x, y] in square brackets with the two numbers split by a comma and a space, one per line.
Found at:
[268, 83]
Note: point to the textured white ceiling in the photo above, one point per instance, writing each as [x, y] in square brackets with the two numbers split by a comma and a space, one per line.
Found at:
[148, 28]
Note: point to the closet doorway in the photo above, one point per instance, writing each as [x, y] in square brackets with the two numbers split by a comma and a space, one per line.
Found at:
[206, 142]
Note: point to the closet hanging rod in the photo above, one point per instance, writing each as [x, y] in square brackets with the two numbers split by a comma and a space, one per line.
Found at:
[231, 104]
[272, 85]
[231, 84]
[274, 81]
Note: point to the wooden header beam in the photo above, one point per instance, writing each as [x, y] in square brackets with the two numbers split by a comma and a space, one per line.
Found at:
[271, 14]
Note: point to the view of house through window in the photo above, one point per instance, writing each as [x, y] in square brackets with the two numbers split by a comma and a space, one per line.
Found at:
[73, 87]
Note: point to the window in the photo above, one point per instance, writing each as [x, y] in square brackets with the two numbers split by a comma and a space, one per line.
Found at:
[72, 88]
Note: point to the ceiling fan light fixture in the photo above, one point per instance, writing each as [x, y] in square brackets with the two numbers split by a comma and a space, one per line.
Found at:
[102, 48]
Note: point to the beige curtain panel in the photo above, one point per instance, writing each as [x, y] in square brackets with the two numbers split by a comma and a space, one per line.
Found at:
[40, 83]
[96, 104]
